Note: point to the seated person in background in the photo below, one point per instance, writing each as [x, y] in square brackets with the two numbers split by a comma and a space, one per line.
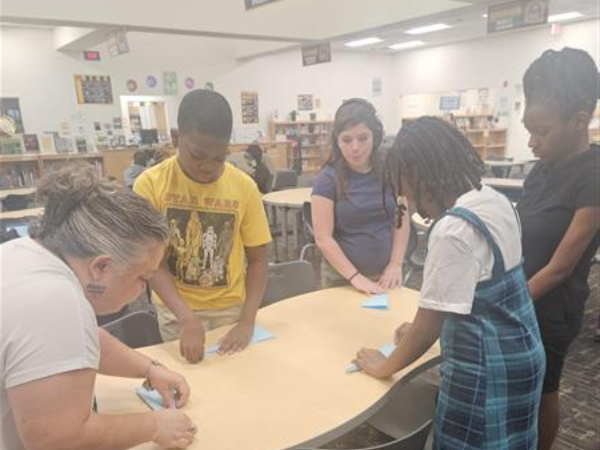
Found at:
[353, 209]
[262, 174]
[217, 222]
[138, 165]
[94, 251]
[251, 162]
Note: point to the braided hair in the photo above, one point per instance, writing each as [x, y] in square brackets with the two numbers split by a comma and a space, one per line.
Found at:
[567, 79]
[431, 154]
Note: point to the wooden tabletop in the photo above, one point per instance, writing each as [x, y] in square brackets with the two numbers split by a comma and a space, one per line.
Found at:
[21, 213]
[18, 191]
[283, 392]
[288, 198]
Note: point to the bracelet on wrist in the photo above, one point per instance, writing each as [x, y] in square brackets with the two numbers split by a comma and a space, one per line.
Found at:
[355, 274]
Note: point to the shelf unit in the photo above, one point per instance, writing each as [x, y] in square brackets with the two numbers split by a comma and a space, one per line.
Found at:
[489, 142]
[21, 171]
[314, 138]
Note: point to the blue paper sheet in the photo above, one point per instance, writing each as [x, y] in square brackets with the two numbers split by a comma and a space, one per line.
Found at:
[379, 301]
[150, 397]
[259, 335]
[387, 350]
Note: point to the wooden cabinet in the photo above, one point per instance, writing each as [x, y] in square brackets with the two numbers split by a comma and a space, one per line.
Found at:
[314, 138]
[19, 171]
[489, 142]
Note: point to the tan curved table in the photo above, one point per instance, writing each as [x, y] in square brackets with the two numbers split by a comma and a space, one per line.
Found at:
[287, 391]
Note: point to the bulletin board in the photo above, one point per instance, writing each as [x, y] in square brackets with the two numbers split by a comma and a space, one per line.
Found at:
[93, 89]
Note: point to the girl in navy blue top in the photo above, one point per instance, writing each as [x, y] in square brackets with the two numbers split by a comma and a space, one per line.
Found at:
[353, 212]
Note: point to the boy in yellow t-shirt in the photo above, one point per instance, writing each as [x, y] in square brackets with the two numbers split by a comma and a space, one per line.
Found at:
[217, 220]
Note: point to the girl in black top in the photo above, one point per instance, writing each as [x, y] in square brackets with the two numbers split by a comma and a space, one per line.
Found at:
[560, 207]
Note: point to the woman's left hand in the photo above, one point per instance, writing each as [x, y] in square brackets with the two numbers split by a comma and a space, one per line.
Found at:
[391, 277]
[170, 385]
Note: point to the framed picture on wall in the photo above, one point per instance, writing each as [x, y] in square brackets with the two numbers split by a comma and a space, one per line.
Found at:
[93, 89]
[249, 107]
[305, 102]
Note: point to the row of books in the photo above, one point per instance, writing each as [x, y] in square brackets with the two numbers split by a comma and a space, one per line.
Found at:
[18, 178]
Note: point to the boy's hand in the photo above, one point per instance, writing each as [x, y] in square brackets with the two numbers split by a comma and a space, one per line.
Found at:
[236, 339]
[191, 339]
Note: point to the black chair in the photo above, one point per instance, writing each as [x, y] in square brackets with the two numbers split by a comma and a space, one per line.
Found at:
[136, 329]
[405, 415]
[284, 179]
[289, 279]
[414, 441]
[308, 231]
[411, 259]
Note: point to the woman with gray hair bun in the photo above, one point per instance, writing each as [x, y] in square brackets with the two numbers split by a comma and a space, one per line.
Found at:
[95, 249]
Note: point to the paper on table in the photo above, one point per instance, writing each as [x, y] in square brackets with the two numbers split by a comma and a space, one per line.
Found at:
[259, 335]
[150, 397]
[379, 301]
[387, 350]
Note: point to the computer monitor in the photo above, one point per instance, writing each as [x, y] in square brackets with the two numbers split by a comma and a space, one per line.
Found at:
[149, 137]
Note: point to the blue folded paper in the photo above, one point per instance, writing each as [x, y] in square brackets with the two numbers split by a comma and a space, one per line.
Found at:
[379, 301]
[259, 335]
[150, 397]
[387, 350]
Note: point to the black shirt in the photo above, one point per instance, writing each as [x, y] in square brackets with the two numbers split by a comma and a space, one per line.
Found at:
[551, 195]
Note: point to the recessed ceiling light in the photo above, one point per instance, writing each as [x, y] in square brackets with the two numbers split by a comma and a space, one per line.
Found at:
[428, 28]
[363, 42]
[406, 45]
[484, 16]
[564, 16]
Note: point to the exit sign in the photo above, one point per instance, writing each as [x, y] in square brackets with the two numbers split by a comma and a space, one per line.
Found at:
[91, 56]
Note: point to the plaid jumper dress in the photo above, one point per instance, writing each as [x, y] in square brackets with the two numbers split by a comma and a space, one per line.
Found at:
[493, 363]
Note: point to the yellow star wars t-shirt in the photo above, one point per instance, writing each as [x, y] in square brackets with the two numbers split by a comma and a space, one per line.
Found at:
[210, 224]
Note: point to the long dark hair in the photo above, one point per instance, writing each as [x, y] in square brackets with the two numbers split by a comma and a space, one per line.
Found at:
[353, 112]
[433, 154]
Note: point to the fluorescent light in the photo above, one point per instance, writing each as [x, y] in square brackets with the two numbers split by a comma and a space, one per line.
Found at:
[428, 28]
[363, 42]
[564, 16]
[406, 45]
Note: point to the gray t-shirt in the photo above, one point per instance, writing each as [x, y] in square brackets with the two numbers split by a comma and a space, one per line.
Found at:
[47, 326]
[363, 229]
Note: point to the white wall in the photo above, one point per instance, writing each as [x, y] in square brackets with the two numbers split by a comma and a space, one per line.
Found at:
[489, 63]
[43, 78]
[280, 78]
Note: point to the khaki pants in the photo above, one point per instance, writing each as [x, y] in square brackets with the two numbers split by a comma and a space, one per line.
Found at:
[211, 319]
[330, 277]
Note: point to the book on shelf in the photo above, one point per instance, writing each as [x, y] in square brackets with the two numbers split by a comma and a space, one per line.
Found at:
[17, 178]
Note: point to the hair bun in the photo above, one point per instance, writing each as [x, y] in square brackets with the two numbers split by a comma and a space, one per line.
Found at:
[64, 190]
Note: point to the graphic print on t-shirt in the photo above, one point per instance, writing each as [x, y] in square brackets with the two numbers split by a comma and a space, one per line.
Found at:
[199, 246]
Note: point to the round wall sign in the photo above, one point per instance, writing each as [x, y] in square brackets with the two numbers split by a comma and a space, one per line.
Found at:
[189, 83]
[151, 81]
[131, 85]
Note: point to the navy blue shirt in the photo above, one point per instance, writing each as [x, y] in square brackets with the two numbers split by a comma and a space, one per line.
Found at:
[362, 228]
